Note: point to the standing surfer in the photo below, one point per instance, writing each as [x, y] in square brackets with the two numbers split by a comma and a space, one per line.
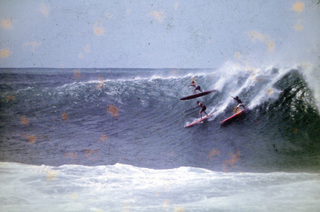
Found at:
[196, 87]
[203, 108]
[239, 103]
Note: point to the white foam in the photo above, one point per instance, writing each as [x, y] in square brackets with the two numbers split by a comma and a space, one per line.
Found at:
[120, 187]
[311, 73]
[263, 95]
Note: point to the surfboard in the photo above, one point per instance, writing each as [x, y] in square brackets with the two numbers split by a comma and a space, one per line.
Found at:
[234, 115]
[198, 120]
[193, 96]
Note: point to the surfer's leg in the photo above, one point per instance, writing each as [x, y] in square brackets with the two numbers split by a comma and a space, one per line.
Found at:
[198, 88]
[236, 109]
[204, 110]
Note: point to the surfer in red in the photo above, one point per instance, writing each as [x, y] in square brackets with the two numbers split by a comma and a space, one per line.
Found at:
[196, 87]
[239, 103]
[203, 108]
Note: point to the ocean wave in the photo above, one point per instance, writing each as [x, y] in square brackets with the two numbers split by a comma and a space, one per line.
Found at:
[145, 124]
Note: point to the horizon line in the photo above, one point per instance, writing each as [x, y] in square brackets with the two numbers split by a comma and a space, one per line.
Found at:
[92, 68]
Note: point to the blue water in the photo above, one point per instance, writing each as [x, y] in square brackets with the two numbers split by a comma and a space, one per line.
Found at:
[114, 140]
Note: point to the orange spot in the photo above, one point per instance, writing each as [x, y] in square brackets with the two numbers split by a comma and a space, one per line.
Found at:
[10, 98]
[89, 152]
[100, 85]
[65, 116]
[174, 72]
[166, 203]
[271, 45]
[6, 23]
[298, 7]
[179, 209]
[298, 26]
[81, 56]
[44, 9]
[72, 155]
[237, 55]
[103, 138]
[77, 74]
[255, 35]
[33, 45]
[98, 29]
[4, 53]
[157, 15]
[232, 161]
[86, 49]
[32, 138]
[52, 174]
[270, 91]
[113, 110]
[213, 152]
[295, 130]
[24, 120]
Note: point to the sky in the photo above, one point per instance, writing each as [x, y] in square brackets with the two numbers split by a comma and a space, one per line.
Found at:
[156, 34]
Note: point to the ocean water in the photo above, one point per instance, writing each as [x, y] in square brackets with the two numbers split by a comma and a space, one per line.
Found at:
[114, 140]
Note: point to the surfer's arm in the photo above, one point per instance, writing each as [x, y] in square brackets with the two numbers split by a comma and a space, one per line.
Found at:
[236, 99]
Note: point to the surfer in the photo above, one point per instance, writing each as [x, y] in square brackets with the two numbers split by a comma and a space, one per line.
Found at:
[203, 108]
[196, 87]
[239, 103]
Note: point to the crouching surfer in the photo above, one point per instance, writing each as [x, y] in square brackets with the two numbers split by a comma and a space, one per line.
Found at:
[240, 104]
[203, 108]
[196, 87]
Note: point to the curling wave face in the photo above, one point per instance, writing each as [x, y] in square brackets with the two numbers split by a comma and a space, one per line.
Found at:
[104, 117]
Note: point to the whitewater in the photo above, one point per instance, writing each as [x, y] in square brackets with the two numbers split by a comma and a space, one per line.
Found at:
[114, 140]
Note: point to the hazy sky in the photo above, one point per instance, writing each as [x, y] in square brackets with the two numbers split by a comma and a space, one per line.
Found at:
[156, 34]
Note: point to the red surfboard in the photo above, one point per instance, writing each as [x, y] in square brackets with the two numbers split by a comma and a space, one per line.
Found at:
[193, 96]
[199, 120]
[234, 115]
